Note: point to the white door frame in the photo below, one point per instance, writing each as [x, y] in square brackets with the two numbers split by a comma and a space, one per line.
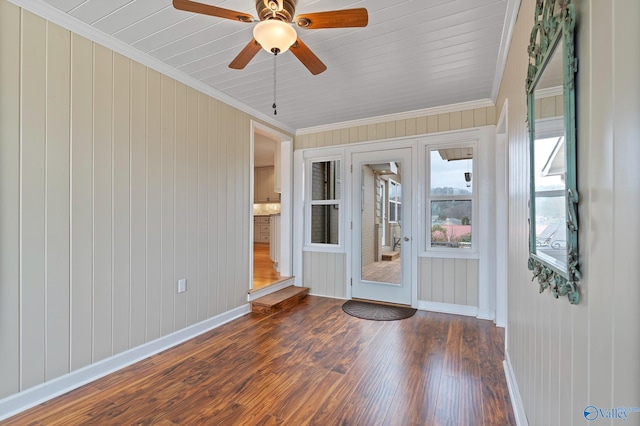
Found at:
[379, 291]
[502, 215]
[385, 145]
[286, 197]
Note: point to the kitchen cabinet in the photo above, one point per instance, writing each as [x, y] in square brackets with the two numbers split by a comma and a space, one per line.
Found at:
[263, 189]
[261, 229]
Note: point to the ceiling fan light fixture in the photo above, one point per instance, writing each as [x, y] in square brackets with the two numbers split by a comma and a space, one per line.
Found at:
[274, 35]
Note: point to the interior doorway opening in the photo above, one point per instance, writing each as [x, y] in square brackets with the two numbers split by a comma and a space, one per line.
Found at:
[271, 213]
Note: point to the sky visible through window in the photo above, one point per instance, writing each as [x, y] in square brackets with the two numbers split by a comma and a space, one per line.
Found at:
[450, 174]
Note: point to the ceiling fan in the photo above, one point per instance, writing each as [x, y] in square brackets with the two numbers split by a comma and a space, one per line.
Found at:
[274, 31]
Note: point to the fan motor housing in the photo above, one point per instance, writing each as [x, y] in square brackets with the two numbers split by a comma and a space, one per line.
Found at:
[286, 14]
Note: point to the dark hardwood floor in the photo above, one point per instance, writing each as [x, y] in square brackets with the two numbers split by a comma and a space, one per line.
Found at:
[312, 364]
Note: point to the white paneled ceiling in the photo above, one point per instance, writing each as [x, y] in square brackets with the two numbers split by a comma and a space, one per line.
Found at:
[413, 54]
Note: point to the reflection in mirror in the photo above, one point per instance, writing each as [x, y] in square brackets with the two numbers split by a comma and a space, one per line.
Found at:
[549, 169]
[553, 238]
[381, 222]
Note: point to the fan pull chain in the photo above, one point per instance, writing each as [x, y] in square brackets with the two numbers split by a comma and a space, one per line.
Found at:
[275, 111]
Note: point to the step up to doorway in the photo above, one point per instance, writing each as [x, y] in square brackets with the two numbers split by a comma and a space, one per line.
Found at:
[392, 255]
[280, 300]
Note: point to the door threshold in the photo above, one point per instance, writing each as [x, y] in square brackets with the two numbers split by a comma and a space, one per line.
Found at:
[379, 302]
[271, 288]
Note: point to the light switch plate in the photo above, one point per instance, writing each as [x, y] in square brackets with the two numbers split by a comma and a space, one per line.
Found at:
[182, 285]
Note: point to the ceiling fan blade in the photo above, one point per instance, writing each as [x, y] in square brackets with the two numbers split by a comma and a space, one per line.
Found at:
[346, 18]
[246, 55]
[205, 9]
[307, 57]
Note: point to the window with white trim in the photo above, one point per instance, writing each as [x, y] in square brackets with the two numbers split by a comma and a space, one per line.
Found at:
[450, 198]
[395, 201]
[324, 202]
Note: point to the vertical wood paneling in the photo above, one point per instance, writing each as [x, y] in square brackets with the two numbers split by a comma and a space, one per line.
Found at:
[138, 171]
[448, 280]
[203, 206]
[10, 195]
[81, 202]
[180, 206]
[592, 369]
[241, 181]
[437, 279]
[473, 278]
[102, 203]
[218, 213]
[32, 179]
[154, 204]
[121, 206]
[340, 276]
[455, 120]
[325, 273]
[460, 281]
[167, 123]
[627, 177]
[443, 122]
[192, 206]
[452, 281]
[57, 200]
[424, 281]
[467, 119]
[601, 214]
[113, 179]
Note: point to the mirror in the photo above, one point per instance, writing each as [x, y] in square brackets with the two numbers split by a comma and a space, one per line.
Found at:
[553, 222]
[381, 222]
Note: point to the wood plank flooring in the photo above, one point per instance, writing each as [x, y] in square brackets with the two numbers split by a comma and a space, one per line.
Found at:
[263, 272]
[386, 271]
[309, 365]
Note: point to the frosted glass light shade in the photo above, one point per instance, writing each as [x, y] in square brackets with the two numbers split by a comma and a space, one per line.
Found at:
[274, 34]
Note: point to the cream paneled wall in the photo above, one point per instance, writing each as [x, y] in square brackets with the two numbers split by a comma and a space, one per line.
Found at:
[567, 357]
[325, 273]
[399, 128]
[115, 182]
[453, 281]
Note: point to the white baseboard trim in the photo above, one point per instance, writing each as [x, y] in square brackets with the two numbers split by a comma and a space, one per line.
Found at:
[271, 289]
[327, 296]
[31, 397]
[448, 308]
[514, 393]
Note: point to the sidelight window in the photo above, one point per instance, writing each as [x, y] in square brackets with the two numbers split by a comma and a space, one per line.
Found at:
[324, 206]
[450, 198]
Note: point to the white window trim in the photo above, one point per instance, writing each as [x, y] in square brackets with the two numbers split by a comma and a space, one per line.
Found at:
[396, 202]
[309, 202]
[449, 252]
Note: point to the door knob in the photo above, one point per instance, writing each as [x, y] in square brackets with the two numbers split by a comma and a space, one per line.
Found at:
[406, 238]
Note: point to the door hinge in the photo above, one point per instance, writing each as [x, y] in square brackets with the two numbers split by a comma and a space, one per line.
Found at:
[351, 168]
[351, 225]
[351, 279]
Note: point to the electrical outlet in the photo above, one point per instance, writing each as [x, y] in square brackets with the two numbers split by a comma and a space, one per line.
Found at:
[182, 285]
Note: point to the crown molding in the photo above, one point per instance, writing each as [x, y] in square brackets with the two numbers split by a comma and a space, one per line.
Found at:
[462, 106]
[510, 18]
[46, 11]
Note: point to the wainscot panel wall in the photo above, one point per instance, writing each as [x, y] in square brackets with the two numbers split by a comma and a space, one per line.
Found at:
[325, 273]
[458, 120]
[453, 281]
[565, 357]
[115, 181]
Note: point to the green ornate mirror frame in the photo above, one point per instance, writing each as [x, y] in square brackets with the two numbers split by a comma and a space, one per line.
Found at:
[553, 198]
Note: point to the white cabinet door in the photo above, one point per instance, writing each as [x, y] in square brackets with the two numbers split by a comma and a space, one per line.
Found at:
[263, 186]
